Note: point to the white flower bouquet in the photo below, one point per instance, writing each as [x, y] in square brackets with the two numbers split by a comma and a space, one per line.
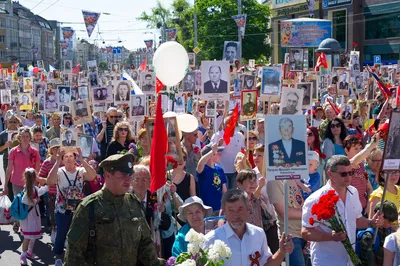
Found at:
[197, 255]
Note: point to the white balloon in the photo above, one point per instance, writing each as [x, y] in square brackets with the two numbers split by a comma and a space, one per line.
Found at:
[171, 63]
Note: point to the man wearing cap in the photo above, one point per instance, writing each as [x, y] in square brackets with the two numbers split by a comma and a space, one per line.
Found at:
[372, 253]
[109, 227]
[212, 179]
[192, 212]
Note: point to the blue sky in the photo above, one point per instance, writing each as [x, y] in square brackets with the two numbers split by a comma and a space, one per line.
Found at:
[121, 24]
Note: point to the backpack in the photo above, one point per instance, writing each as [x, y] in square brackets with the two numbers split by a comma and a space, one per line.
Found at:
[18, 209]
[73, 193]
[359, 236]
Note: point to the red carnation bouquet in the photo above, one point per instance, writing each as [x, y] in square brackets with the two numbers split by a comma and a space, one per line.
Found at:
[326, 213]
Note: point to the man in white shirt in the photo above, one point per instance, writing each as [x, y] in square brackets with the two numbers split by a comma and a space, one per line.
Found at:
[247, 242]
[326, 246]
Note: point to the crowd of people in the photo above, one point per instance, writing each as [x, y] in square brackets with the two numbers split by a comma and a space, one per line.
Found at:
[98, 207]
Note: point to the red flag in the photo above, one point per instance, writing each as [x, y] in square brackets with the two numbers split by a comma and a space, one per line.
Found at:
[321, 62]
[158, 150]
[337, 110]
[76, 69]
[143, 65]
[231, 125]
[159, 85]
[398, 96]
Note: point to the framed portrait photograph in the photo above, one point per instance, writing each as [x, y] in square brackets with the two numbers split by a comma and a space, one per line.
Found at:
[25, 101]
[192, 60]
[384, 72]
[215, 80]
[248, 82]
[231, 52]
[28, 84]
[64, 94]
[291, 101]
[270, 82]
[99, 107]
[12, 135]
[83, 92]
[347, 113]
[74, 79]
[237, 87]
[148, 82]
[197, 91]
[306, 87]
[296, 59]
[81, 112]
[286, 156]
[174, 148]
[249, 105]
[343, 82]
[94, 77]
[135, 76]
[122, 90]
[82, 78]
[68, 137]
[3, 85]
[179, 106]
[102, 95]
[39, 88]
[115, 68]
[40, 64]
[313, 79]
[41, 102]
[211, 110]
[391, 158]
[5, 96]
[85, 142]
[138, 106]
[370, 89]
[67, 66]
[189, 82]
[358, 83]
[354, 62]
[220, 105]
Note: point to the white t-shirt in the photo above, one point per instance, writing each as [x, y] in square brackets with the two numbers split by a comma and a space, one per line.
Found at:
[63, 185]
[390, 244]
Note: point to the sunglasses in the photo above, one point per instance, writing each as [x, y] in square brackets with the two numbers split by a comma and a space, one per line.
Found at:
[12, 122]
[68, 117]
[253, 138]
[344, 174]
[116, 116]
[336, 125]
[123, 129]
[310, 134]
[201, 106]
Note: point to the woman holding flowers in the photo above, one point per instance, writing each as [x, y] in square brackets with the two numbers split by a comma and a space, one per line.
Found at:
[332, 215]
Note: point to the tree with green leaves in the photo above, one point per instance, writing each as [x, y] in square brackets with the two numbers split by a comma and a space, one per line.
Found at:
[103, 66]
[215, 25]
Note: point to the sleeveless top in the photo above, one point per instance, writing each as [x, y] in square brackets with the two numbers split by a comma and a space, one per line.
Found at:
[183, 188]
[339, 150]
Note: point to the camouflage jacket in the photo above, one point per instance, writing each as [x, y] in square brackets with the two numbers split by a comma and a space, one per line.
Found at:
[122, 234]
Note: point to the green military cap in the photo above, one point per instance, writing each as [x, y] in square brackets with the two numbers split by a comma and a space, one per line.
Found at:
[119, 162]
[389, 210]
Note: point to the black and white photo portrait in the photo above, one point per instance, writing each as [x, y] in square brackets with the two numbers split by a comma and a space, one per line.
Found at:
[291, 101]
[347, 113]
[3, 85]
[354, 61]
[102, 94]
[392, 152]
[41, 102]
[80, 109]
[211, 110]
[192, 59]
[40, 64]
[287, 150]
[115, 68]
[215, 78]
[68, 138]
[148, 82]
[248, 82]
[39, 88]
[370, 89]
[83, 92]
[64, 94]
[28, 84]
[138, 105]
[122, 91]
[271, 81]
[189, 83]
[237, 87]
[358, 83]
[5, 96]
[231, 52]
[296, 59]
[306, 87]
[67, 66]
[135, 75]
[85, 143]
[197, 91]
[249, 105]
[343, 84]
[179, 104]
[385, 72]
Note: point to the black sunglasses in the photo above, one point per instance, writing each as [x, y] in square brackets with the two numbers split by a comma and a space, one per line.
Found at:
[336, 125]
[344, 174]
[123, 129]
[115, 116]
[68, 117]
[253, 138]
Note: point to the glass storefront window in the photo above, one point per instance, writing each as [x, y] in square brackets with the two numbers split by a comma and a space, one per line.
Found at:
[382, 26]
[339, 23]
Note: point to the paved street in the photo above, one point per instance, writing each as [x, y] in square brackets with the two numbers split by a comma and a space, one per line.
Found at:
[10, 243]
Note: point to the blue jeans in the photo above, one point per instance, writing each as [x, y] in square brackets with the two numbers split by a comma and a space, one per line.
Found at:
[231, 180]
[296, 257]
[63, 222]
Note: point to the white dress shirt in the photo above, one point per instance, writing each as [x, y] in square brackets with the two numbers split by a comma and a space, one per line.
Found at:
[253, 240]
[332, 253]
[287, 144]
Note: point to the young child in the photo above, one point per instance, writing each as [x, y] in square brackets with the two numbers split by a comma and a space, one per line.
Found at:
[313, 181]
[31, 227]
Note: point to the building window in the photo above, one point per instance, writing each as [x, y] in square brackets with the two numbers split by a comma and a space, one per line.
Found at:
[2, 38]
[2, 53]
[382, 26]
[339, 24]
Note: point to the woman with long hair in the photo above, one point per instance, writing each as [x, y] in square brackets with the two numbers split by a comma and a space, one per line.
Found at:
[143, 143]
[336, 132]
[184, 182]
[121, 139]
[67, 121]
[31, 227]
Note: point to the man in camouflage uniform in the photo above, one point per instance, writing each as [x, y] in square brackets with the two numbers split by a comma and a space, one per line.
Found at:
[367, 254]
[109, 227]
[249, 107]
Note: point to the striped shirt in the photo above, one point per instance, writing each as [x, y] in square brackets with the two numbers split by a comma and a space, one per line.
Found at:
[360, 182]
[45, 171]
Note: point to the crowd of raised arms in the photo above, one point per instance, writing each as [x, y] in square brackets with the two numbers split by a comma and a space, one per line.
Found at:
[84, 174]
